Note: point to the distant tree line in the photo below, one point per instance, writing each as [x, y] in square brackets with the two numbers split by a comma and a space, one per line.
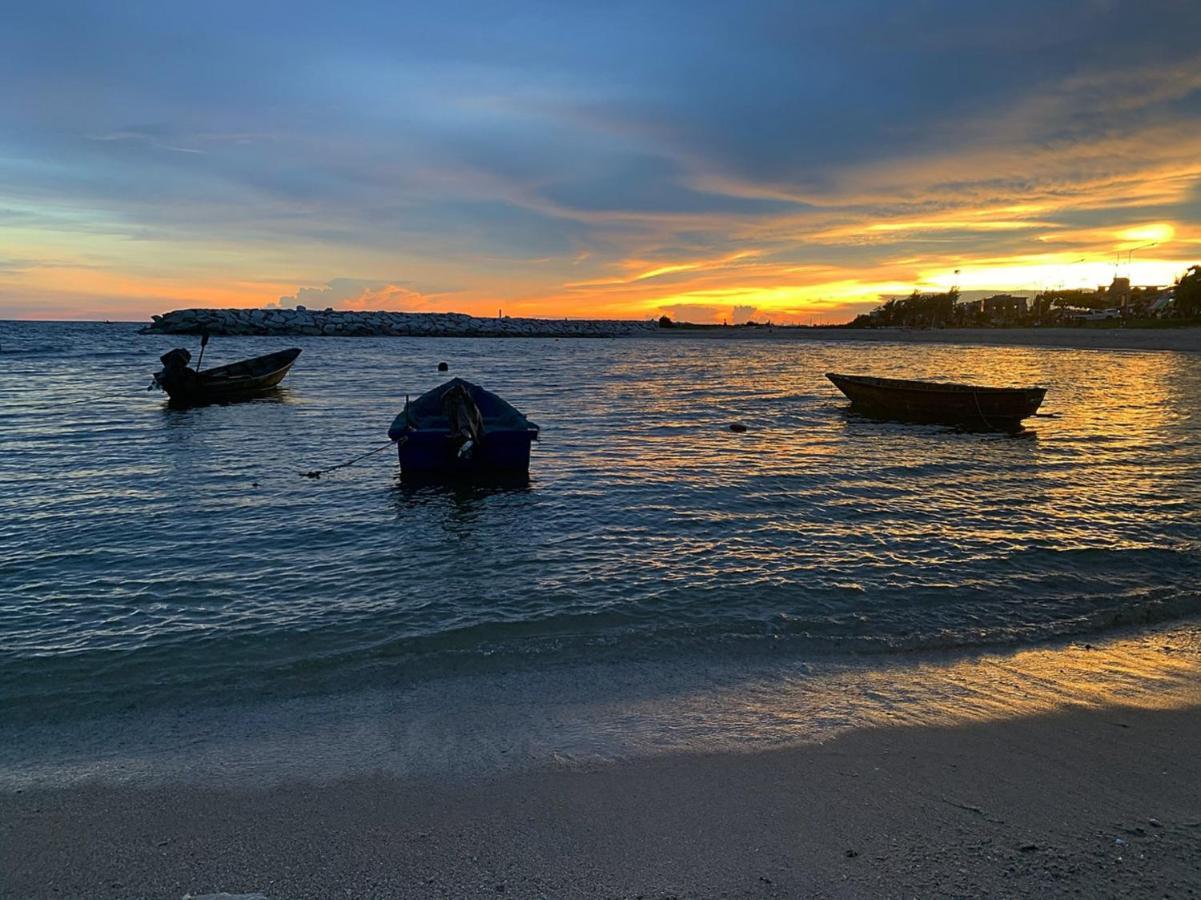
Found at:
[915, 311]
[1188, 293]
[940, 310]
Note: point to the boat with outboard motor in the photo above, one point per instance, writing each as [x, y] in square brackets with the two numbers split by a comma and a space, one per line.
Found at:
[247, 378]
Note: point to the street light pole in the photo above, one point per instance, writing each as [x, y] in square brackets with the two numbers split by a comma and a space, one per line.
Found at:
[1130, 256]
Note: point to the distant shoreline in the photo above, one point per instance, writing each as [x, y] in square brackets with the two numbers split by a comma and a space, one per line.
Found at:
[1184, 339]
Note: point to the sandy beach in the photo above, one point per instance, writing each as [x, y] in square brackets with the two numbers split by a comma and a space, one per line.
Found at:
[1180, 339]
[1067, 770]
[1100, 803]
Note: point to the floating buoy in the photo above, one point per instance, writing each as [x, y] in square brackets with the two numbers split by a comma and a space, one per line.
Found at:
[737, 427]
[443, 367]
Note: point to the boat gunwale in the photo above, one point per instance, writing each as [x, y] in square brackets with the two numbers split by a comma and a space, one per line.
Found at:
[932, 387]
[215, 377]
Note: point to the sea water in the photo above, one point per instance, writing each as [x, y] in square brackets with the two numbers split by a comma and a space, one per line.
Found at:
[158, 559]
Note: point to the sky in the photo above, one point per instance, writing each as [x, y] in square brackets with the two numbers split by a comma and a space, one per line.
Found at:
[792, 161]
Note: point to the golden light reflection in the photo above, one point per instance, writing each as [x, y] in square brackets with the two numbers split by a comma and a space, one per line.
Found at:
[1158, 670]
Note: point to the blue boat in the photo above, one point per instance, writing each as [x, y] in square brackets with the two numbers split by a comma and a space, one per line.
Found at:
[461, 430]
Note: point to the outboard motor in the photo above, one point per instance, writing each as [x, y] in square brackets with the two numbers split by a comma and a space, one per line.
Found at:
[175, 360]
[175, 373]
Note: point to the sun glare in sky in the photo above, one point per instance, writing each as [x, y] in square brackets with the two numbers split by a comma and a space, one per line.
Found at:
[1158, 232]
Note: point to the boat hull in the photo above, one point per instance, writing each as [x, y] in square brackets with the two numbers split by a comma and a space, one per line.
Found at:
[427, 453]
[925, 401]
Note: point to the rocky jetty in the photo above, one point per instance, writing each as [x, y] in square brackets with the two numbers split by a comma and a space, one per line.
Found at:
[339, 323]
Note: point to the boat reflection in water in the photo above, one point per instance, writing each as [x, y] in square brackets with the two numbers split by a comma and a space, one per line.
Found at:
[964, 405]
[278, 396]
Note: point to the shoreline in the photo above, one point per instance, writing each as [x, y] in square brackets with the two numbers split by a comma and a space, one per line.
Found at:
[1103, 801]
[1040, 770]
[478, 725]
[483, 725]
[1184, 339]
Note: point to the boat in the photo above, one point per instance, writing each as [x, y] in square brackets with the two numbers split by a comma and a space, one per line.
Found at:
[236, 380]
[934, 401]
[458, 429]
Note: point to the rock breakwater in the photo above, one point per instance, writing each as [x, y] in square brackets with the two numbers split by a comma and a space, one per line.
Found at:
[341, 323]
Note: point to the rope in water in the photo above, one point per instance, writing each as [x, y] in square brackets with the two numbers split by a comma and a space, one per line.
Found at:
[317, 473]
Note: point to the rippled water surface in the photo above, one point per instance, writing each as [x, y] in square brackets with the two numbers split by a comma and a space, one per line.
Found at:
[150, 552]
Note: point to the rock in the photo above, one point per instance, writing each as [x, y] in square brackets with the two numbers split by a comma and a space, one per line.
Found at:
[277, 321]
[737, 427]
[443, 367]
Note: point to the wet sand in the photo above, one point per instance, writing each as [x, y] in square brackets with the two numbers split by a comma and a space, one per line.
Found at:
[1103, 802]
[1180, 339]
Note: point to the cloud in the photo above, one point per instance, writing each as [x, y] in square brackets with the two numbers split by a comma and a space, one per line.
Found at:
[696, 313]
[363, 294]
[331, 294]
[396, 298]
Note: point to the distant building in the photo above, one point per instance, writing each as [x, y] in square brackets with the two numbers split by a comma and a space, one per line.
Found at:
[1117, 294]
[1002, 308]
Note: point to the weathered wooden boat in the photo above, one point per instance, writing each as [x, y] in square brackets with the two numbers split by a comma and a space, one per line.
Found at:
[933, 401]
[241, 379]
[458, 429]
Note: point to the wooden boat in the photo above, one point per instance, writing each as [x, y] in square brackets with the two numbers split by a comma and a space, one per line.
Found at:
[458, 429]
[241, 379]
[933, 401]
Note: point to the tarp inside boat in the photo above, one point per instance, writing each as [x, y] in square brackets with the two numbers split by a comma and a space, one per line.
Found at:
[426, 413]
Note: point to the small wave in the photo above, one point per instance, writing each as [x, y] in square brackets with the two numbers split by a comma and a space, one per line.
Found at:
[40, 350]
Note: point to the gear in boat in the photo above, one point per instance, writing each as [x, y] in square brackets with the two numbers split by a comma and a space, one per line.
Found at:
[459, 429]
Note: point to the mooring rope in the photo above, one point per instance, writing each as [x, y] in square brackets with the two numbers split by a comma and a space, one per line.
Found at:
[976, 397]
[317, 473]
